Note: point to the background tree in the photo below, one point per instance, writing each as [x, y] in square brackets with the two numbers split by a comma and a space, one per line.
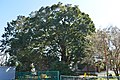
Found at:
[107, 40]
[48, 34]
[96, 50]
[114, 48]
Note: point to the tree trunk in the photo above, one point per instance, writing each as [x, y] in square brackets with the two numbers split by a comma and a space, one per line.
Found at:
[63, 53]
[116, 71]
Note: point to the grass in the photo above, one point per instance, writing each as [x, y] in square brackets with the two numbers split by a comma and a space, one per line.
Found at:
[103, 78]
[106, 79]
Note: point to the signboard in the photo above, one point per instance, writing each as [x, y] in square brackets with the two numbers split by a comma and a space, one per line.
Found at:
[7, 73]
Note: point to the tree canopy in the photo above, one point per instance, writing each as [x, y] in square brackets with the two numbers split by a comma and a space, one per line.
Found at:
[52, 34]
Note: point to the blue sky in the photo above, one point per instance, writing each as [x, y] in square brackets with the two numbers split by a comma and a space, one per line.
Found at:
[102, 12]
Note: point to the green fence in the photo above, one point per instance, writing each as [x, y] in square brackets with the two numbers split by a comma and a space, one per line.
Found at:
[40, 75]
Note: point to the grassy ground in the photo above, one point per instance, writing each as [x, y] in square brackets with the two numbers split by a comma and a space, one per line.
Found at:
[105, 79]
[102, 78]
[99, 78]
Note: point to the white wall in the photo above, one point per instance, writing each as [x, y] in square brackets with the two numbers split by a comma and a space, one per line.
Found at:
[7, 73]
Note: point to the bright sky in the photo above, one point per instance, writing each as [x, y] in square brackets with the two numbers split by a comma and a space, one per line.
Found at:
[103, 12]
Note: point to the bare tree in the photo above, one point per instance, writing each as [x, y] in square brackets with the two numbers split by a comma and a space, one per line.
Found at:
[114, 48]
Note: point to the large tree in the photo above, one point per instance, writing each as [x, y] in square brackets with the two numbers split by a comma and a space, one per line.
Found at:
[48, 34]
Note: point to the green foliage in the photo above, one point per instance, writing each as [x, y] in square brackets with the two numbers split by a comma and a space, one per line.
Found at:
[12, 61]
[47, 34]
[62, 67]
